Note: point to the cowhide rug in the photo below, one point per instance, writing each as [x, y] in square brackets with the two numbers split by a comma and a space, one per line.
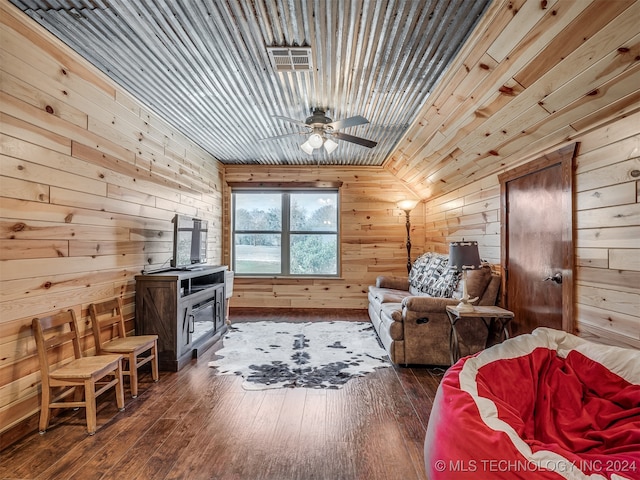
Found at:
[313, 354]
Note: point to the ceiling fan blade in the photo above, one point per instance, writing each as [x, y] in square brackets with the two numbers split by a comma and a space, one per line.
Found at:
[350, 138]
[283, 136]
[348, 122]
[292, 120]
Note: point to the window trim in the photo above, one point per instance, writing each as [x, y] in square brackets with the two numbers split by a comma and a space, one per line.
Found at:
[286, 233]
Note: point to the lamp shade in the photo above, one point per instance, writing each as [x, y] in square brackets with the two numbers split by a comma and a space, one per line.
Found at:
[407, 205]
[330, 145]
[306, 148]
[464, 256]
[315, 140]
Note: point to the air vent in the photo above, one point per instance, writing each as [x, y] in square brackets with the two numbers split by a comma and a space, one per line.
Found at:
[294, 59]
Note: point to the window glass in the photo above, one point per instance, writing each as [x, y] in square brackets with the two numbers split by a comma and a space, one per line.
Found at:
[257, 253]
[258, 211]
[314, 212]
[314, 254]
[285, 232]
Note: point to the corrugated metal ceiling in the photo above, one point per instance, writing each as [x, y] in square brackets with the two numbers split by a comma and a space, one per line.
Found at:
[205, 68]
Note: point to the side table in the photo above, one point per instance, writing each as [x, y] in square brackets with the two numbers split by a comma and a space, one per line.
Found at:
[484, 313]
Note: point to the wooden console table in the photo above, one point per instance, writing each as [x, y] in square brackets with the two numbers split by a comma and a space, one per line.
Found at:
[484, 313]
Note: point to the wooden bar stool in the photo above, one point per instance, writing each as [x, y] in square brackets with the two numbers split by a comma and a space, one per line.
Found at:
[85, 377]
[110, 336]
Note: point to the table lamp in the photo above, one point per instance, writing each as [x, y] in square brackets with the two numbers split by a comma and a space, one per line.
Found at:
[464, 256]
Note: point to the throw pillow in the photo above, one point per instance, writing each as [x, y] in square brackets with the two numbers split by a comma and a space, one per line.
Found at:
[417, 273]
[426, 272]
[446, 284]
[437, 267]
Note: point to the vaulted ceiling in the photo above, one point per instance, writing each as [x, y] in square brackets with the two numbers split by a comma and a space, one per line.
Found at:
[205, 66]
[454, 90]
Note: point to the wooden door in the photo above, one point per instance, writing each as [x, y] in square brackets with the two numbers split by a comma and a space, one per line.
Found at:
[537, 242]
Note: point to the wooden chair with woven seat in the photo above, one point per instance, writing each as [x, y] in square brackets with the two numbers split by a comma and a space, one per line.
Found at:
[84, 377]
[107, 316]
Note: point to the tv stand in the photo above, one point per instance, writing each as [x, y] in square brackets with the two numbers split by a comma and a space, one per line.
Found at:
[185, 308]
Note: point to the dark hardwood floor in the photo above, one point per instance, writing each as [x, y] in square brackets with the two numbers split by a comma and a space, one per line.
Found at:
[195, 424]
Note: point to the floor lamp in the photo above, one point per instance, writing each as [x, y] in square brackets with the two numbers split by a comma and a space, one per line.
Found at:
[407, 206]
[464, 256]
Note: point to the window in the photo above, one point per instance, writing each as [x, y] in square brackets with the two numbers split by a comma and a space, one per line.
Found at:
[285, 232]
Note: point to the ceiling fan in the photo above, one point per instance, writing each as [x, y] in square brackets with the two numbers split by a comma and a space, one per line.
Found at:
[321, 131]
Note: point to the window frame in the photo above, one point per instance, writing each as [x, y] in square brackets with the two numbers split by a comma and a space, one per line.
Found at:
[285, 232]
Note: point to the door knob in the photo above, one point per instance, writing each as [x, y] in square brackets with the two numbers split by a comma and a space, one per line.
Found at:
[557, 278]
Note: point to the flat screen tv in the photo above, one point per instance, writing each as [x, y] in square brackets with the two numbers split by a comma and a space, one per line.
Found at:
[189, 241]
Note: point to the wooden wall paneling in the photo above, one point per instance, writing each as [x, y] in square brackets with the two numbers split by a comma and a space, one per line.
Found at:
[625, 280]
[620, 151]
[595, 73]
[47, 48]
[624, 237]
[34, 305]
[25, 288]
[486, 99]
[607, 227]
[604, 325]
[14, 127]
[147, 150]
[446, 97]
[50, 230]
[591, 20]
[131, 196]
[613, 67]
[22, 91]
[624, 259]
[49, 76]
[372, 234]
[608, 299]
[609, 175]
[14, 209]
[24, 190]
[494, 161]
[616, 216]
[592, 257]
[524, 20]
[625, 106]
[526, 100]
[79, 248]
[11, 167]
[75, 175]
[118, 171]
[87, 201]
[619, 194]
[613, 135]
[90, 181]
[548, 131]
[42, 119]
[548, 128]
[466, 216]
[10, 249]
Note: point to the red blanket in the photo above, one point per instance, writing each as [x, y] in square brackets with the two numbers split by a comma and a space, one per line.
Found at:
[547, 410]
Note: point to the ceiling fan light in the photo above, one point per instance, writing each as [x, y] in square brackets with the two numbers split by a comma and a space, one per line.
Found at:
[307, 148]
[315, 140]
[330, 145]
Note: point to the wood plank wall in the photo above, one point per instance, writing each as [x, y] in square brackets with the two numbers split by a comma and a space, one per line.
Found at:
[607, 220]
[607, 229]
[373, 237]
[90, 180]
